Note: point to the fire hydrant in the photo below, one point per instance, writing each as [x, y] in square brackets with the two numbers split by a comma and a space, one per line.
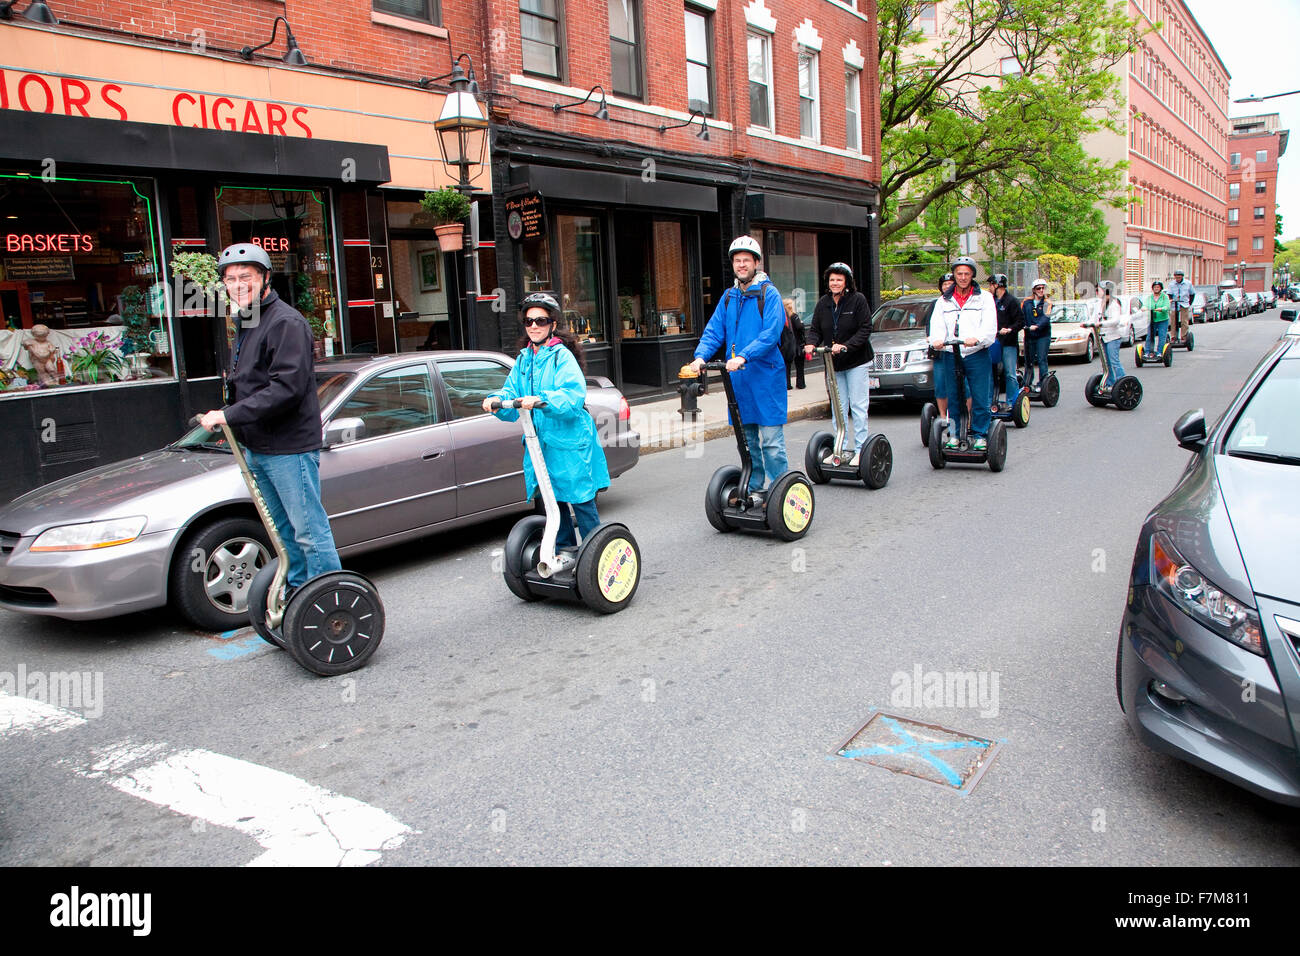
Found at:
[691, 387]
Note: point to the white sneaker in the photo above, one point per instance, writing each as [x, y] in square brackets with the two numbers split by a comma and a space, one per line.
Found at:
[856, 456]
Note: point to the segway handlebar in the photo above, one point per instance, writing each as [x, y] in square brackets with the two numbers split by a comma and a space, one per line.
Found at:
[512, 403]
[716, 366]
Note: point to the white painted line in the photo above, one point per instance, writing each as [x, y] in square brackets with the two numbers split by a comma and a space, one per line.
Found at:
[298, 824]
[23, 715]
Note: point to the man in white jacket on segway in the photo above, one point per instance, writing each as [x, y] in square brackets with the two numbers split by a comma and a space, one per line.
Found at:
[969, 313]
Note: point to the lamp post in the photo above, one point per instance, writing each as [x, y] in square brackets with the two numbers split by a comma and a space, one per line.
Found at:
[462, 138]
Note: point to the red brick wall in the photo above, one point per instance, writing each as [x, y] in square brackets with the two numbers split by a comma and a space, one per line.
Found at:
[1247, 174]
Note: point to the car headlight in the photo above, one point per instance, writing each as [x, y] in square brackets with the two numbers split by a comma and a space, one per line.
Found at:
[916, 355]
[1074, 337]
[1201, 600]
[90, 535]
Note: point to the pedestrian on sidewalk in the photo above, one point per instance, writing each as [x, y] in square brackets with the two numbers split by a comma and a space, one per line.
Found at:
[842, 321]
[747, 326]
[800, 335]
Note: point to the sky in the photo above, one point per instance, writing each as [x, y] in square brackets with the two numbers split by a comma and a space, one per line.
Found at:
[1256, 40]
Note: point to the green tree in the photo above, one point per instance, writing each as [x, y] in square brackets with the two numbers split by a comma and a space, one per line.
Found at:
[947, 126]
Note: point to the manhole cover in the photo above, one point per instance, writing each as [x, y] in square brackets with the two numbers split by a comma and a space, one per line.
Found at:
[941, 755]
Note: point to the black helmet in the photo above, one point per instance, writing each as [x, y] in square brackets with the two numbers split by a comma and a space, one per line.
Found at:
[839, 268]
[946, 277]
[243, 253]
[1157, 282]
[965, 261]
[543, 299]
[999, 279]
[1106, 286]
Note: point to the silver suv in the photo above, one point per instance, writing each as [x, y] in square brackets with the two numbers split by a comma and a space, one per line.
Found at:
[900, 369]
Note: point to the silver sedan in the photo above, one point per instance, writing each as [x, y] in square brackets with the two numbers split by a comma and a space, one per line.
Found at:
[408, 451]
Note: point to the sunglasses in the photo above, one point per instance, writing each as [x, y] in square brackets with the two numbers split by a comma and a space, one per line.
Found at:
[542, 320]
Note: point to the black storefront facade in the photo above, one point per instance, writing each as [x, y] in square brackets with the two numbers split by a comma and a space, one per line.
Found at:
[634, 243]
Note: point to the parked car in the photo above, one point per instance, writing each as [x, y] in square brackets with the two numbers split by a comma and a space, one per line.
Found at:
[1139, 319]
[898, 339]
[1205, 304]
[1290, 316]
[1208, 663]
[1270, 298]
[1232, 303]
[408, 451]
[1069, 337]
[1254, 303]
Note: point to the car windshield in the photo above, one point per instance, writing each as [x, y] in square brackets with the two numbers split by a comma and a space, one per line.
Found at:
[329, 383]
[1070, 312]
[902, 316]
[1267, 427]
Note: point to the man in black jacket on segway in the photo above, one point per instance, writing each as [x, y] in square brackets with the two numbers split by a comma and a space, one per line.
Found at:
[271, 403]
[1010, 321]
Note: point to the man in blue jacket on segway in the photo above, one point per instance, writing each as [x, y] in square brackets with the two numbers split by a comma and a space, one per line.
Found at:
[747, 324]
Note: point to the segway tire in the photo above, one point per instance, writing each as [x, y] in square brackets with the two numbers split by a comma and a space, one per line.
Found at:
[1191, 340]
[790, 506]
[1092, 392]
[997, 441]
[1020, 410]
[721, 486]
[937, 431]
[818, 448]
[1169, 356]
[876, 463]
[1127, 393]
[334, 623]
[609, 569]
[258, 592]
[521, 553]
[1051, 390]
[1138, 353]
[929, 412]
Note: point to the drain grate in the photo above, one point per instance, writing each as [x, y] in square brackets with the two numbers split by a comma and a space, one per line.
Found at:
[941, 755]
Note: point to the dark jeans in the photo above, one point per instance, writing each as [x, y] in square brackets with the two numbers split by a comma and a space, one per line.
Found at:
[588, 519]
[1036, 353]
[797, 366]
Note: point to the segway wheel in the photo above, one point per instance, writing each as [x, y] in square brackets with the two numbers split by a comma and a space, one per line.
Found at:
[819, 446]
[1092, 392]
[1191, 340]
[937, 432]
[609, 569]
[997, 446]
[876, 463]
[1020, 410]
[790, 506]
[1137, 354]
[1169, 356]
[258, 592]
[929, 412]
[1051, 390]
[521, 553]
[334, 623]
[721, 487]
[1128, 393]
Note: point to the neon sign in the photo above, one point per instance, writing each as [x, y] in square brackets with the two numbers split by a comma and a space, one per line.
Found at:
[49, 242]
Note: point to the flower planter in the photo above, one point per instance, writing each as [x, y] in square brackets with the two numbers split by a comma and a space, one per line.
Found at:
[450, 237]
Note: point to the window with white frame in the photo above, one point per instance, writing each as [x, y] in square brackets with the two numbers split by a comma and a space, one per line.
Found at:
[1261, 156]
[1234, 160]
[1234, 190]
[927, 19]
[1257, 243]
[1010, 66]
[853, 109]
[1259, 212]
[699, 60]
[430, 11]
[1232, 247]
[809, 118]
[1234, 215]
[1261, 185]
[760, 80]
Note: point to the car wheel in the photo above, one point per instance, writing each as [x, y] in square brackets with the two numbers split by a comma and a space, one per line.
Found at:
[213, 569]
[1091, 354]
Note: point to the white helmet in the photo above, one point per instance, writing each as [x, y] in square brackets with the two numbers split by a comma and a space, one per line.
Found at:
[1037, 283]
[746, 244]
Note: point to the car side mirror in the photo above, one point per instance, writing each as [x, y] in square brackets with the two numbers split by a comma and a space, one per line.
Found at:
[1190, 430]
[1288, 315]
[344, 431]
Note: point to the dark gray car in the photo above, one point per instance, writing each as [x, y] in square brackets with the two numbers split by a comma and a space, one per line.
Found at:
[1208, 664]
[408, 451]
[900, 369]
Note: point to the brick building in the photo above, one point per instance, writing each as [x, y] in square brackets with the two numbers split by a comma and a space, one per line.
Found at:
[1254, 148]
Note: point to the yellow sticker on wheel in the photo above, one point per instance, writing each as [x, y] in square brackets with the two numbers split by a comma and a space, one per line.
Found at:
[796, 510]
[617, 570]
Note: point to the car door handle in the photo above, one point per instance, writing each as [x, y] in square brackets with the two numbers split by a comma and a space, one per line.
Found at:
[435, 453]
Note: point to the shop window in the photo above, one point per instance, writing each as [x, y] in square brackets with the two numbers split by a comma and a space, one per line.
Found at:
[625, 48]
[809, 115]
[578, 241]
[429, 11]
[420, 303]
[653, 273]
[540, 32]
[790, 259]
[82, 287]
[699, 60]
[290, 225]
[852, 109]
[760, 80]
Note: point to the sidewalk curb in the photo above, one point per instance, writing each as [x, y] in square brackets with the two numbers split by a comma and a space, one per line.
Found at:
[710, 432]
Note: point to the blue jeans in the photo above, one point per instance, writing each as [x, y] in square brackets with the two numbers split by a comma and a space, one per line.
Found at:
[588, 519]
[766, 454]
[855, 396]
[1112, 358]
[1162, 328]
[1009, 368]
[291, 486]
[979, 373]
[1036, 353]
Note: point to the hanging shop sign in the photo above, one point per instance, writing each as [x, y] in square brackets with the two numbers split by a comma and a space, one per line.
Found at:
[526, 217]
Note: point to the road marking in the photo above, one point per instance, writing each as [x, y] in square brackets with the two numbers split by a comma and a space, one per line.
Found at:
[296, 823]
[23, 715]
[232, 649]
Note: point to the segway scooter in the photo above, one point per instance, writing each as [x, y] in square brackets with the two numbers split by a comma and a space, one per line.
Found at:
[1047, 391]
[604, 571]
[1174, 341]
[1166, 357]
[828, 457]
[332, 624]
[1018, 411]
[995, 454]
[786, 510]
[1126, 394]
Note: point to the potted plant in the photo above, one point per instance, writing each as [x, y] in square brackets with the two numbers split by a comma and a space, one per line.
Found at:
[94, 356]
[449, 209]
[306, 303]
[195, 297]
[136, 332]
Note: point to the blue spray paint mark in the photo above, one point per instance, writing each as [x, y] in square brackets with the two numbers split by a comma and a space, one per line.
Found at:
[913, 747]
[234, 649]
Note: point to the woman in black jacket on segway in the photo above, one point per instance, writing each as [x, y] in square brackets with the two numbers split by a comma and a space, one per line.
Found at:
[842, 321]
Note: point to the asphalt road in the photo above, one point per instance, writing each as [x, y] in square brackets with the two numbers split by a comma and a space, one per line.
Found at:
[699, 725]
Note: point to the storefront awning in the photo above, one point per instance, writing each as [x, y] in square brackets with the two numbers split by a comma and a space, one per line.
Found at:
[129, 146]
[781, 207]
[558, 182]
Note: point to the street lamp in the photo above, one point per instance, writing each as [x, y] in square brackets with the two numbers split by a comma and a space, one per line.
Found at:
[462, 137]
[1260, 99]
